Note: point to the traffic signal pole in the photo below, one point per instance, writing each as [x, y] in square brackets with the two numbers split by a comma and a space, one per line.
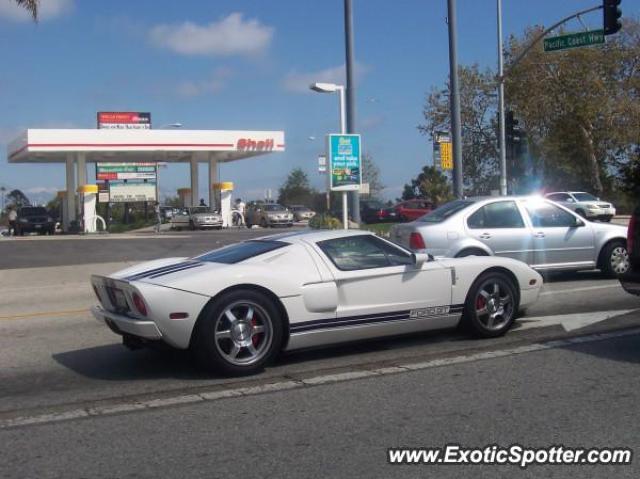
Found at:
[454, 94]
[501, 122]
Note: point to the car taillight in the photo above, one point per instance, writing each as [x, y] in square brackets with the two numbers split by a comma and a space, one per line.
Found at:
[139, 304]
[630, 231]
[416, 241]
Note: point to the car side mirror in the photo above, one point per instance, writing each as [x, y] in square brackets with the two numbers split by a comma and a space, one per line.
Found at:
[570, 200]
[419, 258]
[579, 223]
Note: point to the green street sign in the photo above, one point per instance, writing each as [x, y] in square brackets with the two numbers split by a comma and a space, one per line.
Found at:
[574, 40]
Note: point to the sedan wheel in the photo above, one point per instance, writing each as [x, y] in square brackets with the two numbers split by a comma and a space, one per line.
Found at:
[240, 334]
[491, 305]
[615, 260]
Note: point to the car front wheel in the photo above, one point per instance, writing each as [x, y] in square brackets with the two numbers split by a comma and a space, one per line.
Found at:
[239, 333]
[614, 259]
[491, 305]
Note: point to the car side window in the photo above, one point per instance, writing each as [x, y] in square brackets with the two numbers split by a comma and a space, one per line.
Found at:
[363, 252]
[501, 214]
[546, 215]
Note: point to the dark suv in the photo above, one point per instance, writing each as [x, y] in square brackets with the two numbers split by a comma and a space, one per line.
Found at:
[631, 279]
[34, 219]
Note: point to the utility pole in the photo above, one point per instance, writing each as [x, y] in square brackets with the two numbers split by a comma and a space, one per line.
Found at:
[501, 120]
[351, 94]
[454, 94]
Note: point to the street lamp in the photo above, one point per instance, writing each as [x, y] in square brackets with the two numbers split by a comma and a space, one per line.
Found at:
[333, 88]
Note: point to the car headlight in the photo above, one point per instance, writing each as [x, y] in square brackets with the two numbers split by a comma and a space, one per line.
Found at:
[593, 207]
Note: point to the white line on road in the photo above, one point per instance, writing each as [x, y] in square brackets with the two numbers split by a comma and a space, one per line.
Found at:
[580, 290]
[215, 395]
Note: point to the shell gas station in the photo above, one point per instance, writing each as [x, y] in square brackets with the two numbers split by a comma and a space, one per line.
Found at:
[127, 139]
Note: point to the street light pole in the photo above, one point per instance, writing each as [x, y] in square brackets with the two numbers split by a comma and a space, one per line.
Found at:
[333, 88]
[350, 126]
[454, 93]
[501, 112]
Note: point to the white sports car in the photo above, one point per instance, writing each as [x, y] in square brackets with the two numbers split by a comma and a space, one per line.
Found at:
[238, 306]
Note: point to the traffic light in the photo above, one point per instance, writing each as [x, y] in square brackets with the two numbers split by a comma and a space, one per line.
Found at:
[512, 129]
[611, 16]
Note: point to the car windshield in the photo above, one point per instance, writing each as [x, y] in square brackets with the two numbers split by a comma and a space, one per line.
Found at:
[584, 197]
[274, 208]
[445, 211]
[33, 210]
[200, 209]
[240, 251]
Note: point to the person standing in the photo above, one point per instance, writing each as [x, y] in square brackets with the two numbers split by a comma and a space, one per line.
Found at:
[13, 218]
[158, 212]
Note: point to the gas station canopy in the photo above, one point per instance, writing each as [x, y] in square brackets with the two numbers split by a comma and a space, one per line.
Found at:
[75, 147]
[115, 145]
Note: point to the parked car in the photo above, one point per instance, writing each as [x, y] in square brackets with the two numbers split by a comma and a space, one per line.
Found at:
[268, 215]
[411, 210]
[34, 219]
[631, 279]
[537, 231]
[375, 211]
[196, 217]
[301, 213]
[239, 306]
[585, 204]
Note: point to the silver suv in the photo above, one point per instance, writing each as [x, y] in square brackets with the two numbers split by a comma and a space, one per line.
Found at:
[539, 232]
[585, 204]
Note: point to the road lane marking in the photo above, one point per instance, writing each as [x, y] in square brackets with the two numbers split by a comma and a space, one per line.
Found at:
[45, 313]
[570, 321]
[580, 290]
[215, 395]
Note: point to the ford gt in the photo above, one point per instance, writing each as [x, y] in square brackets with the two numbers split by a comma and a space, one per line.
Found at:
[239, 306]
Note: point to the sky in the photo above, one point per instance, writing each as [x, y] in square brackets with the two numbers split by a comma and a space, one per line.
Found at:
[245, 65]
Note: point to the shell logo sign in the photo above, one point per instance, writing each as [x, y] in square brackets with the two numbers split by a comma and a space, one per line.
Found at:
[248, 144]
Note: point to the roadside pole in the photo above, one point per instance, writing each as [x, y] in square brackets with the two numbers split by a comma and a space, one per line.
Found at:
[454, 93]
[501, 119]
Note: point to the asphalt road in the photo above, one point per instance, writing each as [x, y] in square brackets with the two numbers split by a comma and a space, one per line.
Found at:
[59, 365]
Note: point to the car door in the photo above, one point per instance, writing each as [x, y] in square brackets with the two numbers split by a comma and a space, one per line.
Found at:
[376, 277]
[560, 238]
[501, 227]
[180, 218]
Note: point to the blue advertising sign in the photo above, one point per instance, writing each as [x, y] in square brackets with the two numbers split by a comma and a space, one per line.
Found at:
[345, 164]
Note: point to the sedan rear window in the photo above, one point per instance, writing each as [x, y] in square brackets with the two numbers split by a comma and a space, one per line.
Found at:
[445, 211]
[241, 251]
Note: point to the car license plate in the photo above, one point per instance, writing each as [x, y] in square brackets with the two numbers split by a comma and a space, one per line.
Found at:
[38, 226]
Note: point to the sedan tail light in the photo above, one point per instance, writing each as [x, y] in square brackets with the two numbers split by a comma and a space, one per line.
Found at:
[138, 302]
[630, 233]
[416, 241]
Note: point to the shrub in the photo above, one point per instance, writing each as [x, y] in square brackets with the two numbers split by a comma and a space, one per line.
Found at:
[325, 222]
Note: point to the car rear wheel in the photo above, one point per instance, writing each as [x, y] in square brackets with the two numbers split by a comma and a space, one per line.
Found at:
[239, 334]
[491, 305]
[614, 259]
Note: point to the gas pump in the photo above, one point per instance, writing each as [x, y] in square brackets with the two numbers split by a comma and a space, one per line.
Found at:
[88, 195]
[225, 190]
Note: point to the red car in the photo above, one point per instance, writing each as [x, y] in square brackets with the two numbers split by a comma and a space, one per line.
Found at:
[413, 209]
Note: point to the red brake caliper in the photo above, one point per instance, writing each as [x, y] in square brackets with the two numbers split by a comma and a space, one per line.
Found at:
[481, 302]
[254, 339]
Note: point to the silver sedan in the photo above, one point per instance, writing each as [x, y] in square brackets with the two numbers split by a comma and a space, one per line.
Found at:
[534, 230]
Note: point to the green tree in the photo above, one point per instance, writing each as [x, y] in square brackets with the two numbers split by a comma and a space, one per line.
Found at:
[580, 107]
[371, 175]
[479, 141]
[296, 189]
[31, 6]
[430, 184]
